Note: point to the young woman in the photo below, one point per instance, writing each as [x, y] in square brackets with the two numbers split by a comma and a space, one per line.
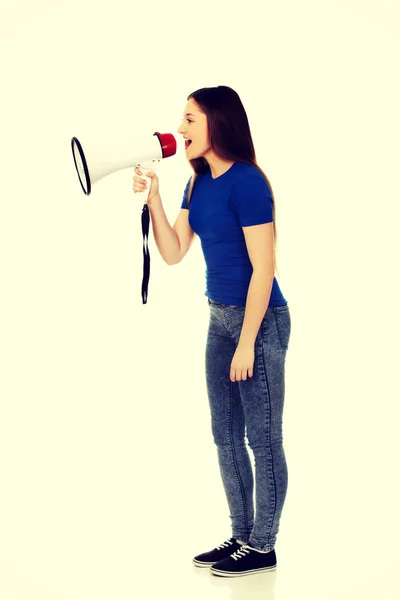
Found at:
[229, 204]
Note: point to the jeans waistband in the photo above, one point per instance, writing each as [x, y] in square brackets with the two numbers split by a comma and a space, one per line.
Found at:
[281, 308]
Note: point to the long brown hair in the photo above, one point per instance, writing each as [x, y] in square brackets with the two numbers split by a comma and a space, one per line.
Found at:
[229, 134]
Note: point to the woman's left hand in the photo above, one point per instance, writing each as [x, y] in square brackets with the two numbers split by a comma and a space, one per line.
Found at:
[242, 362]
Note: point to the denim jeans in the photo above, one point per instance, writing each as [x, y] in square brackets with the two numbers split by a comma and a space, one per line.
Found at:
[254, 405]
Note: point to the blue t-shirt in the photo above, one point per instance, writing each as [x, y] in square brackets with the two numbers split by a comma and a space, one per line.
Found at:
[219, 208]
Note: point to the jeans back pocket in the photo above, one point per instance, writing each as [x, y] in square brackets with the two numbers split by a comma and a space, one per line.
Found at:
[283, 324]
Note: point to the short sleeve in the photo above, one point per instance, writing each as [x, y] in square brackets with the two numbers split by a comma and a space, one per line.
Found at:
[185, 195]
[252, 200]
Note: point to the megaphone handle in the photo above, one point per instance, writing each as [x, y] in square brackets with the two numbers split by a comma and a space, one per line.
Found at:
[145, 170]
[145, 232]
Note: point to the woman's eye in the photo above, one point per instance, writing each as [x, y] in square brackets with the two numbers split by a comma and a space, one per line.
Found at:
[189, 120]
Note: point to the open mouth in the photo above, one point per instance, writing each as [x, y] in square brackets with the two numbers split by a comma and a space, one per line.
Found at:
[187, 144]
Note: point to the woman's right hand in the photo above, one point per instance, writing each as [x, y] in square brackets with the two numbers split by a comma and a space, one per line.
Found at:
[140, 184]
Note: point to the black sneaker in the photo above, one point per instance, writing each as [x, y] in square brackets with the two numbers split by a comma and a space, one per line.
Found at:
[207, 559]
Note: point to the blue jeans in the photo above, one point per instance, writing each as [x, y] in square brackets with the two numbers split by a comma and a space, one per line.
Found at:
[257, 405]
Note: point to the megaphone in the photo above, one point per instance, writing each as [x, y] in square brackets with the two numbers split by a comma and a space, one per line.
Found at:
[97, 159]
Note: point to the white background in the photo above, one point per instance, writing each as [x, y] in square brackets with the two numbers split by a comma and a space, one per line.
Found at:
[109, 475]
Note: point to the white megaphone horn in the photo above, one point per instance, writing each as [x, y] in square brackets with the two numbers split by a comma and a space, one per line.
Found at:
[98, 158]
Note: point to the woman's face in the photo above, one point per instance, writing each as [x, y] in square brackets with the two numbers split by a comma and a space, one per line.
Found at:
[194, 127]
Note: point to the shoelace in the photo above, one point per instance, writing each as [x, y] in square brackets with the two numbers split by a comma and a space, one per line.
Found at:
[224, 544]
[243, 551]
